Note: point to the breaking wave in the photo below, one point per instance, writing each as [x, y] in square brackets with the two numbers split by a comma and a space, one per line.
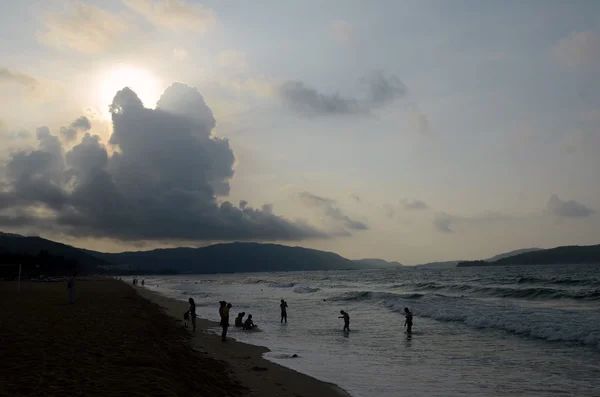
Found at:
[581, 327]
[365, 295]
[519, 292]
[305, 289]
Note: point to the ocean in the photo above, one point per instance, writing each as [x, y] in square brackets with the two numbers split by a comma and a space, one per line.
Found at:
[496, 331]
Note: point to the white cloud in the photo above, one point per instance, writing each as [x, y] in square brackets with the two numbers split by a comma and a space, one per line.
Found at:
[180, 53]
[416, 205]
[568, 208]
[17, 77]
[174, 14]
[442, 222]
[418, 121]
[579, 49]
[233, 59]
[342, 32]
[83, 28]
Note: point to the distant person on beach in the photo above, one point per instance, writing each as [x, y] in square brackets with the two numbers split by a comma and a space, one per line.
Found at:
[239, 320]
[142, 283]
[249, 324]
[71, 288]
[224, 312]
[283, 307]
[408, 323]
[192, 313]
[346, 318]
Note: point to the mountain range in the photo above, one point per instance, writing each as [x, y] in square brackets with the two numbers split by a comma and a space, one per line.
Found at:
[253, 257]
[32, 246]
[573, 254]
[450, 264]
[231, 258]
[377, 263]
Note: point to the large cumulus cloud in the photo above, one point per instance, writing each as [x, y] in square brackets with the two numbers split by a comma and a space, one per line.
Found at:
[161, 181]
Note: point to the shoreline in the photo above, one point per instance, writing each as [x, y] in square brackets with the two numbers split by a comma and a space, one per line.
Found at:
[261, 376]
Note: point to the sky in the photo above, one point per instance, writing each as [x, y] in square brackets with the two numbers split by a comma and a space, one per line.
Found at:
[412, 131]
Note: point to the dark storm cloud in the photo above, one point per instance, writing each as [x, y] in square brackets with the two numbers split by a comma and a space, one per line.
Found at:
[69, 133]
[380, 90]
[569, 208]
[331, 210]
[162, 182]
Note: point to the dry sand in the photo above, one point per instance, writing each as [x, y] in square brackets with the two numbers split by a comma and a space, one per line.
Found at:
[113, 342]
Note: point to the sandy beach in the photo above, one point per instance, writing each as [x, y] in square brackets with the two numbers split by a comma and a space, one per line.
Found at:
[114, 341]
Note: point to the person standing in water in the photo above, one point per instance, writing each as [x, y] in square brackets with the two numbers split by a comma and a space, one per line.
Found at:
[408, 323]
[283, 307]
[346, 318]
[224, 311]
[192, 313]
[222, 306]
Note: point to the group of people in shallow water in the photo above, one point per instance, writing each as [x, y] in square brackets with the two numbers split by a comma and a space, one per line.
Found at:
[248, 324]
[135, 281]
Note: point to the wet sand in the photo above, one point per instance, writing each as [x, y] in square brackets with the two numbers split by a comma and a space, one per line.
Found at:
[115, 341]
[262, 377]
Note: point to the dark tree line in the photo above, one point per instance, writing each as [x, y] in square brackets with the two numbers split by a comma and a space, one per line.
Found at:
[34, 266]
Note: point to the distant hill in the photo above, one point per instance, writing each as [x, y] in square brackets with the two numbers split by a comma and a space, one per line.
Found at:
[511, 253]
[374, 262]
[231, 258]
[451, 264]
[573, 254]
[438, 265]
[13, 245]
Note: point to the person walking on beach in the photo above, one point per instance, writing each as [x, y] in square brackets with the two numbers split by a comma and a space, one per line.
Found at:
[142, 282]
[408, 323]
[192, 313]
[283, 307]
[71, 288]
[346, 318]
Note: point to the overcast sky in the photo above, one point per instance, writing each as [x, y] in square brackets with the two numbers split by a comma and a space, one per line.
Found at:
[411, 131]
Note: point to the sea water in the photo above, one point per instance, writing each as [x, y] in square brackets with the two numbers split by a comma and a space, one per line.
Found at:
[497, 331]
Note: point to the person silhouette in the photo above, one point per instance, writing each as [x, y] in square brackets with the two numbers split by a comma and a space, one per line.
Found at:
[409, 320]
[283, 307]
[346, 318]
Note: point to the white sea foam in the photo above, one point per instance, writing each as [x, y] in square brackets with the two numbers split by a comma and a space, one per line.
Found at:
[489, 342]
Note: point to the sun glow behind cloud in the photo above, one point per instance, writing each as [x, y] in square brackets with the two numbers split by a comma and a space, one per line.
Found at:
[146, 86]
